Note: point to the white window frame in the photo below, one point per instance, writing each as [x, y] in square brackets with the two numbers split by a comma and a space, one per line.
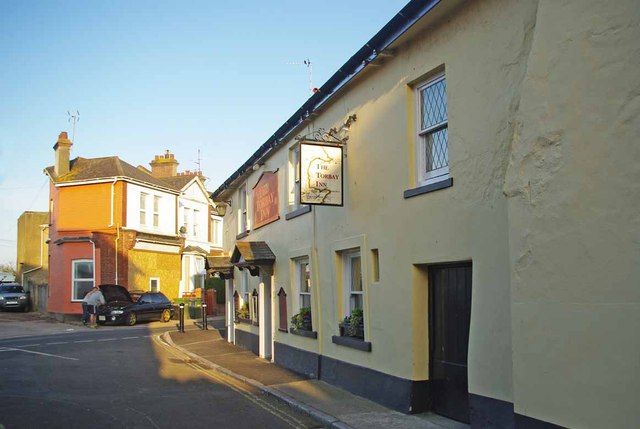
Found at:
[294, 178]
[423, 176]
[196, 226]
[157, 279]
[347, 257]
[73, 277]
[243, 210]
[216, 231]
[185, 219]
[143, 208]
[297, 281]
[244, 286]
[156, 211]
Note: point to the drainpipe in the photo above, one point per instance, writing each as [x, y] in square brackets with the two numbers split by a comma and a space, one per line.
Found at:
[116, 251]
[42, 227]
[113, 184]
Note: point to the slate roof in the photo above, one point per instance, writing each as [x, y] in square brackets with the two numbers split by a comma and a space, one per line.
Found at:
[252, 253]
[179, 182]
[102, 168]
[221, 265]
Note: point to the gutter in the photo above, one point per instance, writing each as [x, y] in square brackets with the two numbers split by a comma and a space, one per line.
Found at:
[113, 179]
[396, 27]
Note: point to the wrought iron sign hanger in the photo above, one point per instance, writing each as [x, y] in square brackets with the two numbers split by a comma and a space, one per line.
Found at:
[332, 136]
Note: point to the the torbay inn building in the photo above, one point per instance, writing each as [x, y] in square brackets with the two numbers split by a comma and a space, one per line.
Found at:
[475, 170]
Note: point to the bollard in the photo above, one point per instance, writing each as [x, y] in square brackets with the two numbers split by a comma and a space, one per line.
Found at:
[181, 318]
[204, 316]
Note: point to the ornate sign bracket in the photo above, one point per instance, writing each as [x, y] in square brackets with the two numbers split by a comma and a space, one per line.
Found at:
[332, 136]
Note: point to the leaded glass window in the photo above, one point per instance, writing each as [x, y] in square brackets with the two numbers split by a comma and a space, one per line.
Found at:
[433, 135]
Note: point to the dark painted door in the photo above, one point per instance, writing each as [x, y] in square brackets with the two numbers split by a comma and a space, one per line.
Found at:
[449, 317]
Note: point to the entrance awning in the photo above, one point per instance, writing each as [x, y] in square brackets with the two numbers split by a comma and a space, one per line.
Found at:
[220, 265]
[253, 255]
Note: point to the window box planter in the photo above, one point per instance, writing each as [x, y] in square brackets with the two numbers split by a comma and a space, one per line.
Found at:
[304, 333]
[353, 331]
[351, 342]
[243, 320]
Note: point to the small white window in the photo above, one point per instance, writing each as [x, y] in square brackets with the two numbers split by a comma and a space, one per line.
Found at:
[143, 208]
[156, 211]
[196, 226]
[303, 282]
[294, 178]
[244, 285]
[243, 219]
[185, 218]
[354, 293]
[81, 278]
[216, 231]
[433, 131]
[154, 284]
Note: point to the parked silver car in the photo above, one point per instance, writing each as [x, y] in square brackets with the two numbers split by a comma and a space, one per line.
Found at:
[13, 296]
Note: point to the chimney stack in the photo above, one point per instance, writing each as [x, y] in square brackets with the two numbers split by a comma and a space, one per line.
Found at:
[164, 165]
[62, 150]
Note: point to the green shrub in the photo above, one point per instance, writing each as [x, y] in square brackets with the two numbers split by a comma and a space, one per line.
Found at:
[302, 320]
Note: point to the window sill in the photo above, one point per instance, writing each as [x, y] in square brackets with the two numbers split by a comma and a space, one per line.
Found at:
[242, 235]
[303, 333]
[351, 342]
[431, 187]
[297, 212]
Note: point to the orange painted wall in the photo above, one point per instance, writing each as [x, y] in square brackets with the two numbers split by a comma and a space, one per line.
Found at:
[88, 207]
[60, 275]
[77, 212]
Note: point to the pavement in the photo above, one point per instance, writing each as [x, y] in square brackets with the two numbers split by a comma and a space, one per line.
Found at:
[332, 406]
[60, 375]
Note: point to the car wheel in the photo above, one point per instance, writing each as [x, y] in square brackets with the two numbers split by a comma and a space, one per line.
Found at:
[165, 316]
[132, 319]
[26, 309]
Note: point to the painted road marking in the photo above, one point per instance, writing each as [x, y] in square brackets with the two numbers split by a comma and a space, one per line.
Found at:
[129, 338]
[7, 349]
[108, 339]
[53, 344]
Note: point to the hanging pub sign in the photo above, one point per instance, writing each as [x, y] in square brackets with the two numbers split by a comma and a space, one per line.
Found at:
[265, 199]
[321, 174]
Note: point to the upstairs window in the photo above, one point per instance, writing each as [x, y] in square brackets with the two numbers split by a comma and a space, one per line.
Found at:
[216, 231]
[143, 208]
[196, 226]
[156, 211]
[294, 178]
[243, 219]
[185, 219]
[433, 131]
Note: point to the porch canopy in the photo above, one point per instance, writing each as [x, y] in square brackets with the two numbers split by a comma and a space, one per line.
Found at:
[220, 265]
[256, 256]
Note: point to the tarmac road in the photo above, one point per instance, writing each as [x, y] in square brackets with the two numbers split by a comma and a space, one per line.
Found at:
[123, 377]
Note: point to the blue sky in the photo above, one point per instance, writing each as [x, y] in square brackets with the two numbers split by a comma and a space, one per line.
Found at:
[149, 75]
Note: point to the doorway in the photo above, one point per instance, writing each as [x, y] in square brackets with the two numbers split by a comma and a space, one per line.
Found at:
[449, 319]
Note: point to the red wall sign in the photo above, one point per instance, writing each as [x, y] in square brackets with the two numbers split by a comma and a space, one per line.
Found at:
[265, 200]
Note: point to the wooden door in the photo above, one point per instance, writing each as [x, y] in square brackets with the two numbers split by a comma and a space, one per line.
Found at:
[449, 317]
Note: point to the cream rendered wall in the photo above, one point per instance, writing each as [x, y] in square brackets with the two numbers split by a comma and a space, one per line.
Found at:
[484, 67]
[574, 196]
[193, 199]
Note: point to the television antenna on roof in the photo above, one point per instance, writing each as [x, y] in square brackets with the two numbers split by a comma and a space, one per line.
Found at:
[73, 118]
[309, 65]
